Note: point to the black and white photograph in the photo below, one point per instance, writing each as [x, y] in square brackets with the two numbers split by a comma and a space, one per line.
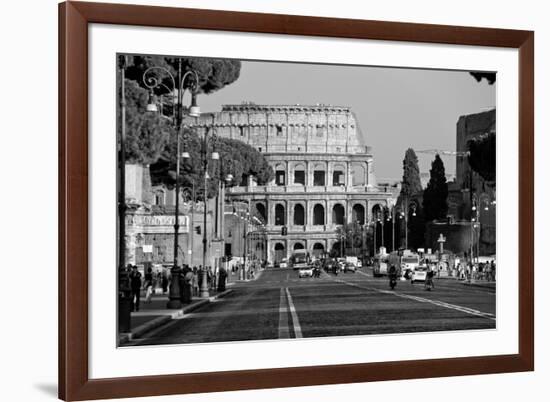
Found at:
[266, 200]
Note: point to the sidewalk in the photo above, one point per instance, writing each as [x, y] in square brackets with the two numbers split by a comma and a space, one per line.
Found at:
[154, 314]
[480, 283]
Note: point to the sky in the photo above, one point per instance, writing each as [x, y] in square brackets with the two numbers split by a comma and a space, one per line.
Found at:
[396, 108]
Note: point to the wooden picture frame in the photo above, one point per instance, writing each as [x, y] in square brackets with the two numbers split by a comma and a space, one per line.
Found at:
[74, 381]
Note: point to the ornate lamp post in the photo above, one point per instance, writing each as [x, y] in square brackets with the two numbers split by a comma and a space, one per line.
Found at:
[407, 206]
[482, 201]
[189, 195]
[153, 79]
[391, 217]
[124, 300]
[215, 156]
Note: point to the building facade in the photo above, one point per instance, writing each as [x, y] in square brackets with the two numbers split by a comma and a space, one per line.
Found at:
[150, 218]
[476, 192]
[324, 174]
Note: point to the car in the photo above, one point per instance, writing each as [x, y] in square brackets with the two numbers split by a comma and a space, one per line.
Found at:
[349, 267]
[419, 274]
[305, 272]
[283, 263]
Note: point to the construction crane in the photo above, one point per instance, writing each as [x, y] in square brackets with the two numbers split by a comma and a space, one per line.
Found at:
[443, 152]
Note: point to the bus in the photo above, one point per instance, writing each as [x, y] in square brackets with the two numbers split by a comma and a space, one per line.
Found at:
[404, 262]
[380, 265]
[299, 259]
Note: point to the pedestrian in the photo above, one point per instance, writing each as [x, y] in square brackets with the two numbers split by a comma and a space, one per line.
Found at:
[209, 277]
[164, 283]
[195, 282]
[135, 284]
[148, 285]
[187, 285]
[200, 277]
[222, 276]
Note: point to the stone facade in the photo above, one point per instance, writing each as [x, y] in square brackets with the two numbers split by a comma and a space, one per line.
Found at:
[472, 186]
[324, 174]
[150, 219]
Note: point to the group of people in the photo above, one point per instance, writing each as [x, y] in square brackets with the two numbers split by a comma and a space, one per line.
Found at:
[189, 279]
[480, 271]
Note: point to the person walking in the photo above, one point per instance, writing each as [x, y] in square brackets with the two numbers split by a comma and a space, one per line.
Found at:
[222, 276]
[135, 284]
[187, 274]
[195, 282]
[148, 285]
[164, 283]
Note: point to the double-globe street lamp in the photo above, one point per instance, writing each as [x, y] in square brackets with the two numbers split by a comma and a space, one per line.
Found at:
[406, 207]
[154, 78]
[479, 202]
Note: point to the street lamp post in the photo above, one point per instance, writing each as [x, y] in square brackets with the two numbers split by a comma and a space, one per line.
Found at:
[153, 79]
[124, 302]
[391, 217]
[405, 214]
[375, 223]
[189, 194]
[215, 156]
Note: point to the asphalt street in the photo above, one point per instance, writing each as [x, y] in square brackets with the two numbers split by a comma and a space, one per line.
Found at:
[280, 305]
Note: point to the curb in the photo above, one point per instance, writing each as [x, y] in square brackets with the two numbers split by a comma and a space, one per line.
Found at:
[158, 322]
[490, 285]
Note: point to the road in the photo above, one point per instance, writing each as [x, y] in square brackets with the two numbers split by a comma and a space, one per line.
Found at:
[280, 305]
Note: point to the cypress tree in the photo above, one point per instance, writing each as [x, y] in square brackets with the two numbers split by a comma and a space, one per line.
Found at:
[410, 184]
[435, 195]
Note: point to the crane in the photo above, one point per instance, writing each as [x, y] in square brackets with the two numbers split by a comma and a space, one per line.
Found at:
[443, 152]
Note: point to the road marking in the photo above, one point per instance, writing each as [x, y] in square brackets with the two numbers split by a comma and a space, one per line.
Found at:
[295, 322]
[462, 309]
[284, 332]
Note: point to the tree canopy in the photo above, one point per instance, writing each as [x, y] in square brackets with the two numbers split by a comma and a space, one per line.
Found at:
[483, 154]
[214, 74]
[434, 202]
[146, 134]
[151, 137]
[490, 77]
[410, 184]
[236, 158]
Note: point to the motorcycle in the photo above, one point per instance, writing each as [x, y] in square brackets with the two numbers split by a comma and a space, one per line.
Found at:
[393, 281]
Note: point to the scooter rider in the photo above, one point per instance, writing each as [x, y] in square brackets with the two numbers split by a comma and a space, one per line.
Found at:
[392, 273]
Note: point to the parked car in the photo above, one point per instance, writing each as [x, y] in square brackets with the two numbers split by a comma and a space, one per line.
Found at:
[306, 272]
[283, 263]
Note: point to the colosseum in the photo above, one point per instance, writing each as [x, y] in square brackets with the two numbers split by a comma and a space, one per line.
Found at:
[324, 174]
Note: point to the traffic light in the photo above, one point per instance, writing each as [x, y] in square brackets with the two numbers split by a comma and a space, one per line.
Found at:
[284, 231]
[198, 229]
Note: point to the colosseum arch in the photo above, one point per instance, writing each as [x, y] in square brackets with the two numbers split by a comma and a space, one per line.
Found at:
[318, 214]
[339, 175]
[320, 174]
[338, 214]
[359, 173]
[279, 252]
[318, 249]
[358, 214]
[299, 215]
[260, 208]
[280, 174]
[280, 215]
[299, 174]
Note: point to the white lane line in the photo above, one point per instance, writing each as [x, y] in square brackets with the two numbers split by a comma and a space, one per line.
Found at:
[284, 332]
[462, 309]
[295, 322]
